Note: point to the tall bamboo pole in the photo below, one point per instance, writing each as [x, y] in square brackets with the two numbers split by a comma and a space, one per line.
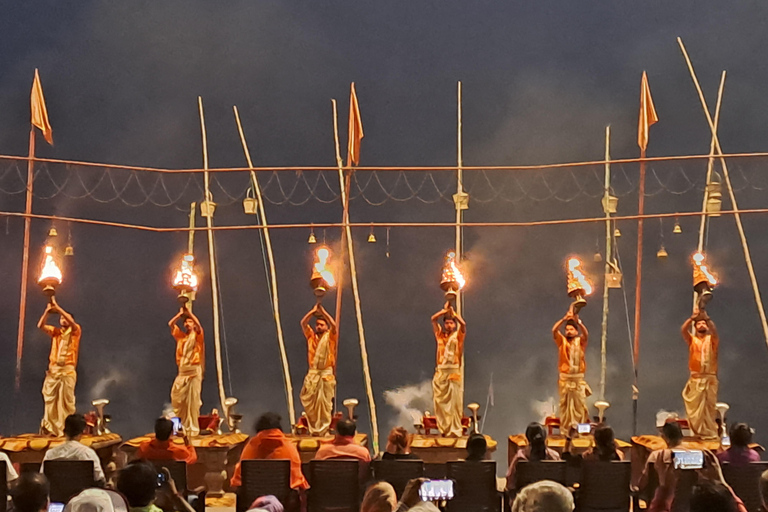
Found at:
[25, 259]
[344, 185]
[191, 246]
[212, 262]
[736, 215]
[272, 274]
[457, 200]
[638, 288]
[608, 256]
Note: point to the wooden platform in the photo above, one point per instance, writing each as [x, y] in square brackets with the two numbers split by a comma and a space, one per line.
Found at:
[435, 449]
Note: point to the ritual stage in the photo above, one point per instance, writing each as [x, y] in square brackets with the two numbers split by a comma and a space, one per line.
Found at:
[30, 448]
[435, 449]
[216, 459]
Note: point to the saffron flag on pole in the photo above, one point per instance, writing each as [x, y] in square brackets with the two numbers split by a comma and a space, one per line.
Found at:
[647, 113]
[355, 131]
[39, 111]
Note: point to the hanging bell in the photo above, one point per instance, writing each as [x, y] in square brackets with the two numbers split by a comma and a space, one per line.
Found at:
[52, 232]
[598, 257]
[677, 229]
[207, 208]
[250, 204]
[312, 239]
[69, 250]
[610, 203]
[371, 238]
[616, 233]
[662, 254]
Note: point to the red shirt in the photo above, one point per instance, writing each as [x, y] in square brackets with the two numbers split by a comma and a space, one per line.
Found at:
[166, 450]
[272, 444]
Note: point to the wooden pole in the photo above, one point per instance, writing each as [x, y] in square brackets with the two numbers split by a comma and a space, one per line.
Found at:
[25, 259]
[458, 199]
[608, 256]
[344, 184]
[736, 214]
[638, 289]
[212, 262]
[272, 275]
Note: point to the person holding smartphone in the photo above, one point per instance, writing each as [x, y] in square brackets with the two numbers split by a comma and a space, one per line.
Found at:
[162, 447]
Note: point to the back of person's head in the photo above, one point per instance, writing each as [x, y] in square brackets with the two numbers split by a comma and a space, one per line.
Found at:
[708, 496]
[476, 447]
[74, 425]
[672, 432]
[605, 443]
[398, 440]
[741, 435]
[163, 428]
[543, 496]
[346, 427]
[764, 489]
[379, 497]
[537, 439]
[268, 421]
[138, 483]
[30, 492]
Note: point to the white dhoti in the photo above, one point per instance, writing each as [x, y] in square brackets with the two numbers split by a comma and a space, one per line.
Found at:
[447, 396]
[700, 397]
[574, 391]
[185, 397]
[317, 398]
[59, 398]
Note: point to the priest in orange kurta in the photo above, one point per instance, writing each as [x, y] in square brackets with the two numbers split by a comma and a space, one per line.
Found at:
[447, 384]
[61, 377]
[700, 393]
[190, 358]
[320, 382]
[571, 365]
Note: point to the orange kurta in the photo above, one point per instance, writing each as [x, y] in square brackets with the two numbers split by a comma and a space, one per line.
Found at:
[442, 337]
[196, 356]
[702, 354]
[65, 345]
[272, 444]
[327, 360]
[155, 449]
[571, 354]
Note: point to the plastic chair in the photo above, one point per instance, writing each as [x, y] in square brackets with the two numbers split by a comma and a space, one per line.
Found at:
[335, 486]
[745, 481]
[474, 486]
[398, 472]
[3, 486]
[68, 477]
[604, 486]
[529, 472]
[264, 476]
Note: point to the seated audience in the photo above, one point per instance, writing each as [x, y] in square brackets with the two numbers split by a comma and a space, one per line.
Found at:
[605, 448]
[536, 450]
[343, 445]
[30, 493]
[163, 448]
[398, 445]
[739, 454]
[764, 490]
[707, 496]
[379, 497]
[138, 481]
[268, 503]
[476, 447]
[410, 501]
[544, 496]
[661, 460]
[73, 449]
[10, 471]
[270, 443]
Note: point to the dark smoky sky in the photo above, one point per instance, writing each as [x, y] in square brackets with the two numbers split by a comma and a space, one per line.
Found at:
[541, 81]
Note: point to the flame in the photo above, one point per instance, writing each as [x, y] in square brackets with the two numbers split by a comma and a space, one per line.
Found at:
[50, 269]
[451, 272]
[323, 255]
[185, 275]
[574, 269]
[698, 260]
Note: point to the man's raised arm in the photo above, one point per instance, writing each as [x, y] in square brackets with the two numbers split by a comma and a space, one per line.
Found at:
[327, 316]
[713, 331]
[69, 318]
[307, 318]
[685, 330]
[584, 332]
[192, 316]
[175, 319]
[435, 319]
[458, 317]
[41, 323]
[556, 328]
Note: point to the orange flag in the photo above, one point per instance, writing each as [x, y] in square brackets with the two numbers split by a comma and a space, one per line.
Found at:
[647, 113]
[355, 131]
[39, 112]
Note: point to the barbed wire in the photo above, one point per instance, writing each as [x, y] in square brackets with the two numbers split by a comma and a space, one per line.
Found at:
[136, 188]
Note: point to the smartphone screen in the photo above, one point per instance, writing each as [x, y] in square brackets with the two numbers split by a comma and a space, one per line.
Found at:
[688, 459]
[55, 507]
[160, 479]
[584, 428]
[726, 441]
[176, 424]
[436, 490]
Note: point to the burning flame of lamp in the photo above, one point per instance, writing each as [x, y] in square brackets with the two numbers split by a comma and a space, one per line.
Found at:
[452, 280]
[350, 404]
[578, 285]
[50, 273]
[321, 278]
[473, 407]
[101, 425]
[703, 280]
[185, 280]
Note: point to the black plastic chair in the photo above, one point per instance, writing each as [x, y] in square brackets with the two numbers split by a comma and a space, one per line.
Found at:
[68, 478]
[435, 470]
[604, 486]
[398, 472]
[529, 472]
[474, 486]
[262, 477]
[335, 486]
[3, 486]
[177, 469]
[745, 481]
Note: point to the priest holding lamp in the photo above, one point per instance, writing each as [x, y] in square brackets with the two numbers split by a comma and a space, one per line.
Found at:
[572, 345]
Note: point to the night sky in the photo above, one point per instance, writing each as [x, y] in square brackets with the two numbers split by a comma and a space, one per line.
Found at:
[541, 81]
